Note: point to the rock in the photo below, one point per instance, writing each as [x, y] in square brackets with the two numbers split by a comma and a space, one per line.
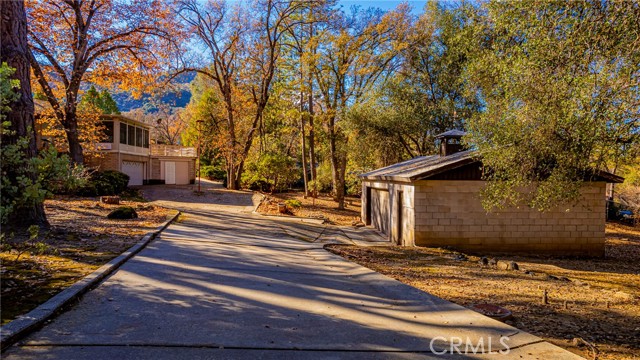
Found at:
[493, 262]
[507, 265]
[484, 261]
[461, 257]
[123, 212]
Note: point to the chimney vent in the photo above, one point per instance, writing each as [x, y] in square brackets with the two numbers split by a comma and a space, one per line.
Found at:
[450, 142]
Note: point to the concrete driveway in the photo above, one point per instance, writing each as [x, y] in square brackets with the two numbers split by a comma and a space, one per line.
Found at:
[225, 284]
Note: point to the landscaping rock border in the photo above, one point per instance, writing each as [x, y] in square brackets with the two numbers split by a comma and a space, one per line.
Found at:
[25, 324]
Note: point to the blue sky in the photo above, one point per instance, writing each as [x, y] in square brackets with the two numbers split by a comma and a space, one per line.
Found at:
[417, 5]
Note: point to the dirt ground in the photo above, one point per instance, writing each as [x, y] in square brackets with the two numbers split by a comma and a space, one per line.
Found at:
[595, 300]
[37, 266]
[322, 207]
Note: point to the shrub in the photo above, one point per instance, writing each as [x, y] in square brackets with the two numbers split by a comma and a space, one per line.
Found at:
[103, 183]
[293, 203]
[213, 172]
[123, 212]
[270, 172]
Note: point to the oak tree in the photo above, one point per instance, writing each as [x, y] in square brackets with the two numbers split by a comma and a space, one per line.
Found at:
[104, 42]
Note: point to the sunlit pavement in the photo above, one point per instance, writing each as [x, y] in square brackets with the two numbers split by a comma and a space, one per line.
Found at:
[231, 285]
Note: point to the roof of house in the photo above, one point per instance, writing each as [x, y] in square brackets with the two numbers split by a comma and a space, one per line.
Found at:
[451, 133]
[423, 167]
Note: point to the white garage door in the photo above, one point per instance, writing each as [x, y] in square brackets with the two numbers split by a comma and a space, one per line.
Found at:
[380, 210]
[170, 172]
[135, 170]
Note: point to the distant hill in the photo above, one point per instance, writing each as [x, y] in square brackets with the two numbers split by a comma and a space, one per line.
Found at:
[175, 98]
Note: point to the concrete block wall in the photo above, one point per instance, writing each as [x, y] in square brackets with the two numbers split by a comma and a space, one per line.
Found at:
[407, 208]
[449, 213]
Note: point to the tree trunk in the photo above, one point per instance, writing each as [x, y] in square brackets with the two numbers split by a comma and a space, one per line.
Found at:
[15, 52]
[338, 164]
[71, 129]
[304, 145]
[312, 147]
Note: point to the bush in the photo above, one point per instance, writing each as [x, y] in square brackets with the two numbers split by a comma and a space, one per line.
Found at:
[103, 183]
[123, 212]
[293, 203]
[270, 172]
[213, 172]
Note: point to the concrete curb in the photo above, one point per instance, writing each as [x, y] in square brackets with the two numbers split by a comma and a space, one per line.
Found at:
[292, 218]
[25, 324]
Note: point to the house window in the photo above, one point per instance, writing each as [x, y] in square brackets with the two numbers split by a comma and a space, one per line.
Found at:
[108, 131]
[146, 138]
[123, 133]
[131, 135]
[139, 142]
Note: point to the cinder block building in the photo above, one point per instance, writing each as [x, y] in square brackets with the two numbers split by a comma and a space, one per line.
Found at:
[435, 201]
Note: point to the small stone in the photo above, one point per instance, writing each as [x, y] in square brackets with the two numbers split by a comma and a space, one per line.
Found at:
[461, 257]
[493, 262]
[513, 266]
[484, 261]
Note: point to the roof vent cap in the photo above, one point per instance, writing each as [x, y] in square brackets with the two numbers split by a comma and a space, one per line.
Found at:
[450, 142]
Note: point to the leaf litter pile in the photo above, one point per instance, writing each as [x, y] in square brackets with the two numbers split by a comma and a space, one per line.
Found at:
[38, 265]
[592, 305]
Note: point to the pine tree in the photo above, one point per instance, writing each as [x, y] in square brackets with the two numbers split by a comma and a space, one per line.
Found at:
[107, 104]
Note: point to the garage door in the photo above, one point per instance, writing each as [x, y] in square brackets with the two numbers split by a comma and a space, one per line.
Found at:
[380, 210]
[170, 172]
[135, 170]
[182, 172]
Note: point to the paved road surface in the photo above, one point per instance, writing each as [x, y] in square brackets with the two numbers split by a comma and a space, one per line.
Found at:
[225, 284]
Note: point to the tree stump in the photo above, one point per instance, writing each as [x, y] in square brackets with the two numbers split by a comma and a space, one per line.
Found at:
[282, 208]
[115, 200]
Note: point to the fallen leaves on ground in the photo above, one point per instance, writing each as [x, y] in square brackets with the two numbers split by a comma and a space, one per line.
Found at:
[80, 240]
[597, 300]
[322, 207]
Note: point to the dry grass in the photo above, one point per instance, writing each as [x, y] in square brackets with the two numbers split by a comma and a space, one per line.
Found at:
[594, 299]
[80, 240]
[323, 207]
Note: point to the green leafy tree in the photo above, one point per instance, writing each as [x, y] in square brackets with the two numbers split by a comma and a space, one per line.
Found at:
[27, 180]
[109, 105]
[560, 82]
[101, 100]
[425, 97]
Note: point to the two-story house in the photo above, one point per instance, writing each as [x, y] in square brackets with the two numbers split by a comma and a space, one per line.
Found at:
[128, 149]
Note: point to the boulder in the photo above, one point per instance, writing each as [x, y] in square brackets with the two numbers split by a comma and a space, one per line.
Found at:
[123, 212]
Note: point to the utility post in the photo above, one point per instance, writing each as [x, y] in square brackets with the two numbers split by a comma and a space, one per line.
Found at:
[199, 122]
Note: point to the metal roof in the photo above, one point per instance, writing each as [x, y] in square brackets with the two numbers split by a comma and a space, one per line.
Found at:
[421, 167]
[451, 133]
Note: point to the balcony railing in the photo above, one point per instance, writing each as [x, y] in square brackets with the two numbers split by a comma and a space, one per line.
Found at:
[172, 150]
